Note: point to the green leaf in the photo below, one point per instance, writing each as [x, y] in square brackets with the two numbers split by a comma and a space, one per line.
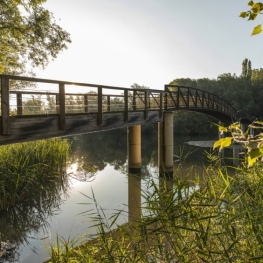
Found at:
[257, 30]
[252, 16]
[223, 142]
[222, 129]
[250, 3]
[256, 8]
[253, 155]
[243, 14]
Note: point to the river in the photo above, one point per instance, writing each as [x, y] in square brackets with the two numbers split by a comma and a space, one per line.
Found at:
[98, 166]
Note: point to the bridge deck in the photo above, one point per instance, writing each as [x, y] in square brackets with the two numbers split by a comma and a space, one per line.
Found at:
[34, 108]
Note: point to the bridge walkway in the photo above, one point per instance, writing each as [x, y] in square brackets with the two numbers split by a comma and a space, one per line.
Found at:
[33, 108]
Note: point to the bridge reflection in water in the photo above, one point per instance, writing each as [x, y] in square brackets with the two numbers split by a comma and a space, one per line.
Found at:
[33, 109]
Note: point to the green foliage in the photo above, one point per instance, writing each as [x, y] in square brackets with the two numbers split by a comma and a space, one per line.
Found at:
[29, 167]
[28, 32]
[223, 142]
[255, 9]
[252, 144]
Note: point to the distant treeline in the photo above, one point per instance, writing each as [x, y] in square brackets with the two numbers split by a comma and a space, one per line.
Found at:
[244, 92]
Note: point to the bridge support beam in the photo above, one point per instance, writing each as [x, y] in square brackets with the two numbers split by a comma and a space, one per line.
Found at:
[165, 145]
[134, 149]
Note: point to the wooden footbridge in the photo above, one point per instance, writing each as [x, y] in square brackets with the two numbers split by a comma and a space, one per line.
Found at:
[33, 108]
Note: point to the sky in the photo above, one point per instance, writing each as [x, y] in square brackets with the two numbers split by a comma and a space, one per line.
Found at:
[152, 42]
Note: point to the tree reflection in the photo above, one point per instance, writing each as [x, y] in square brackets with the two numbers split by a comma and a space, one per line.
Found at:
[17, 222]
[96, 150]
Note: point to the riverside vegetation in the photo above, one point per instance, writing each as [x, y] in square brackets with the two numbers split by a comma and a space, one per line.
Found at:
[216, 217]
[29, 168]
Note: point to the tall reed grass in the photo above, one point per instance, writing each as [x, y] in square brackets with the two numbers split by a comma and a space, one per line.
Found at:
[216, 220]
[31, 167]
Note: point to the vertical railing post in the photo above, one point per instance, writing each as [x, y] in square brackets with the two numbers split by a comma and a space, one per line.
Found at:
[19, 105]
[134, 100]
[178, 98]
[196, 96]
[5, 106]
[62, 107]
[126, 106]
[188, 98]
[166, 98]
[145, 104]
[86, 104]
[108, 103]
[161, 105]
[100, 105]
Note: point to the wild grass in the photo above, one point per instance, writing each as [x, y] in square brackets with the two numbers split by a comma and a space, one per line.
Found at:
[29, 168]
[218, 220]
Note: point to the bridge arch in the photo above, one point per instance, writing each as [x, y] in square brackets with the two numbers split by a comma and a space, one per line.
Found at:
[192, 99]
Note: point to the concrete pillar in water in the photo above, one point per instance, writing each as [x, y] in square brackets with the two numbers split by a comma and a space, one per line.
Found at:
[166, 145]
[134, 197]
[134, 149]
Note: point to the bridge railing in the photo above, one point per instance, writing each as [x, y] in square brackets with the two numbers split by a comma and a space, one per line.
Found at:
[24, 96]
[186, 98]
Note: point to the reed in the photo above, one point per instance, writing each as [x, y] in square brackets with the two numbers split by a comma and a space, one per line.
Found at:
[218, 220]
[31, 167]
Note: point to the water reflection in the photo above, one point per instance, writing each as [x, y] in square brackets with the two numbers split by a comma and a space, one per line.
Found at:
[17, 223]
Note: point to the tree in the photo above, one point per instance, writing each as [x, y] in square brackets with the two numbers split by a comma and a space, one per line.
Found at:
[28, 33]
[246, 69]
[35, 105]
[255, 9]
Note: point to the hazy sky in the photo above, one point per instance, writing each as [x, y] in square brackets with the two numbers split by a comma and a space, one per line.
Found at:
[152, 42]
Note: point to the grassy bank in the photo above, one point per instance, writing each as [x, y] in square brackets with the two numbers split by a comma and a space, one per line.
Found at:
[28, 168]
[218, 220]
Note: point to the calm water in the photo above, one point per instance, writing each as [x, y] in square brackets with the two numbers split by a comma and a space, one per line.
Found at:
[98, 166]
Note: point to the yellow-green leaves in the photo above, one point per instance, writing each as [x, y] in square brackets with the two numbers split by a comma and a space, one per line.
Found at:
[256, 9]
[222, 129]
[243, 14]
[257, 30]
[251, 144]
[223, 142]
[253, 156]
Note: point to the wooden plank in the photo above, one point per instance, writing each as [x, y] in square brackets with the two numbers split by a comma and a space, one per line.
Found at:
[126, 106]
[161, 106]
[5, 106]
[145, 105]
[29, 128]
[134, 100]
[62, 107]
[100, 110]
[108, 103]
[86, 103]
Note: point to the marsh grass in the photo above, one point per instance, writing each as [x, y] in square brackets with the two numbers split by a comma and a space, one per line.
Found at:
[219, 220]
[29, 168]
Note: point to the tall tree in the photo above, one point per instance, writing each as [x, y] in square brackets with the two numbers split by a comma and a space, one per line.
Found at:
[246, 69]
[28, 33]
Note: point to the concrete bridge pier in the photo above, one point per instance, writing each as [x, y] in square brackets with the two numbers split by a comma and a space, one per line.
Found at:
[166, 145]
[134, 149]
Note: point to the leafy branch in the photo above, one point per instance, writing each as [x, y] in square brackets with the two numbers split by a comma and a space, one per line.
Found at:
[252, 14]
[252, 144]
